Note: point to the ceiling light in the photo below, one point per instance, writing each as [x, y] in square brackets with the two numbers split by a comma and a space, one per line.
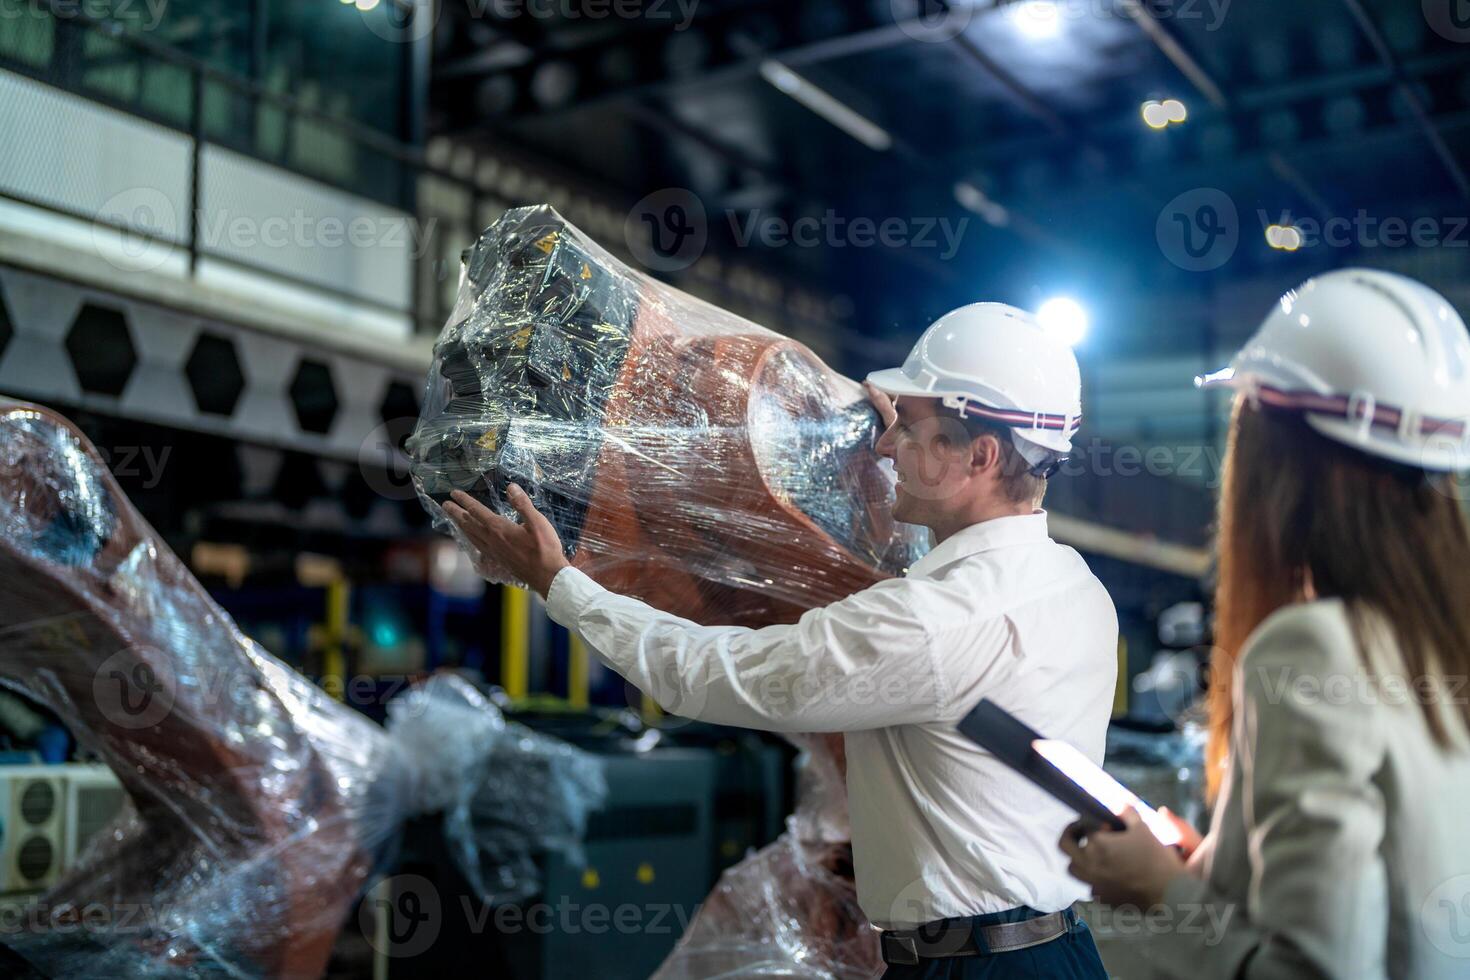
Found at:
[824, 104]
[1284, 238]
[1155, 116]
[366, 5]
[1064, 319]
[1175, 111]
[1037, 19]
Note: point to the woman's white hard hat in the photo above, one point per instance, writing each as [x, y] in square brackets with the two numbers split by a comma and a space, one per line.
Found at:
[993, 361]
[1374, 360]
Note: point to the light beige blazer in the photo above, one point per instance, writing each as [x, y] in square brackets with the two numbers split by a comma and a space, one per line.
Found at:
[1340, 845]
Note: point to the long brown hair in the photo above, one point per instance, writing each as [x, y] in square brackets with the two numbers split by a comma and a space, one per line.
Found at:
[1297, 507]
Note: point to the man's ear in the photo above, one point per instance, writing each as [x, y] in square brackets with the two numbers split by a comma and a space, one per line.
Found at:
[984, 452]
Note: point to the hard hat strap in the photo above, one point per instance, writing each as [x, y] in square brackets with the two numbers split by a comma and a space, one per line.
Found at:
[1014, 418]
[1359, 408]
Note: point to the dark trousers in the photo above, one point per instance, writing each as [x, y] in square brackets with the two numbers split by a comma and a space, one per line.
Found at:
[1069, 957]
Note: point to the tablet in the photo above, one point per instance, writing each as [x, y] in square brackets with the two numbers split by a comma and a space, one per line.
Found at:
[1061, 770]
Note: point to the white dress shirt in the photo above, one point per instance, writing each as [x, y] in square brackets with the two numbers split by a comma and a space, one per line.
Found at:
[939, 827]
[1340, 846]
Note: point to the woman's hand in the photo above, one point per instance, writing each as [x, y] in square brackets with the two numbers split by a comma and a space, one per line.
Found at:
[1124, 867]
[531, 550]
[1189, 838]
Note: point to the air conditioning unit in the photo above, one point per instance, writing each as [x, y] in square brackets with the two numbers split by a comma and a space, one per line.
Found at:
[93, 798]
[32, 826]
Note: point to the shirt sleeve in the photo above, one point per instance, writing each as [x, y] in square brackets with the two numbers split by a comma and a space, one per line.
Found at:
[865, 662]
[1307, 747]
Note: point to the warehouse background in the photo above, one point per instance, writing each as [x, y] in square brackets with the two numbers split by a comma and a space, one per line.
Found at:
[230, 232]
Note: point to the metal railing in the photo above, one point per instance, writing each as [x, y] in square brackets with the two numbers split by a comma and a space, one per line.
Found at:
[100, 61]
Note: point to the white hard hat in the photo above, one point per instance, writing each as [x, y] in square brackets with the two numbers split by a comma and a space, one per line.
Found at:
[1374, 360]
[995, 362]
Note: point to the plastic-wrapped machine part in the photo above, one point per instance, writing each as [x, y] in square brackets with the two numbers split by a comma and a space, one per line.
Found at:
[685, 455]
[258, 807]
[695, 460]
[507, 793]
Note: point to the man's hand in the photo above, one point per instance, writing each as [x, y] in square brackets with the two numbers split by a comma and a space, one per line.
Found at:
[882, 403]
[531, 551]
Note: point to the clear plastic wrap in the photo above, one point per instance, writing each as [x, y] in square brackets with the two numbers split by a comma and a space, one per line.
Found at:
[695, 460]
[258, 807]
[686, 456]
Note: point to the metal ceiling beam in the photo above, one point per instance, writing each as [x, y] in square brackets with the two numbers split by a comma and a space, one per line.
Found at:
[1410, 96]
[745, 62]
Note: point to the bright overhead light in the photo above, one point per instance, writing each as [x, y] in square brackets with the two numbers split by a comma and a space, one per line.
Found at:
[1037, 19]
[1175, 110]
[366, 5]
[1064, 318]
[826, 105]
[1284, 238]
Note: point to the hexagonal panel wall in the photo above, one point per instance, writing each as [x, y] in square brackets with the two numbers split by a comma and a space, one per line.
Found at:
[101, 350]
[6, 330]
[214, 374]
[314, 397]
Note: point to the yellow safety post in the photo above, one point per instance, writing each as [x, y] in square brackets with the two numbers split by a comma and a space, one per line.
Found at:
[515, 641]
[334, 657]
[578, 682]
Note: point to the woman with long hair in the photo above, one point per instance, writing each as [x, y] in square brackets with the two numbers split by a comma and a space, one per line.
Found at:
[1339, 755]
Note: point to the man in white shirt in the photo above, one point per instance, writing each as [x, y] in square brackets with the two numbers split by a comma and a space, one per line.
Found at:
[954, 853]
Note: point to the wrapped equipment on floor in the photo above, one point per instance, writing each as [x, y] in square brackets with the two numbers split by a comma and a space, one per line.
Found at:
[258, 807]
[697, 461]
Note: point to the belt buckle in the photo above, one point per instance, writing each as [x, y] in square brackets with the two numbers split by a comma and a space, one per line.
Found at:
[906, 950]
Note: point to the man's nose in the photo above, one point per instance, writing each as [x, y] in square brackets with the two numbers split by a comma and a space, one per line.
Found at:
[884, 446]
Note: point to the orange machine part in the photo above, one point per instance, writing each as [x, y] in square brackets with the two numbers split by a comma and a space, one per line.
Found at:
[67, 628]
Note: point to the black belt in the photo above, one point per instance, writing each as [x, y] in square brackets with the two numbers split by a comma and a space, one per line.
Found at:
[906, 947]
